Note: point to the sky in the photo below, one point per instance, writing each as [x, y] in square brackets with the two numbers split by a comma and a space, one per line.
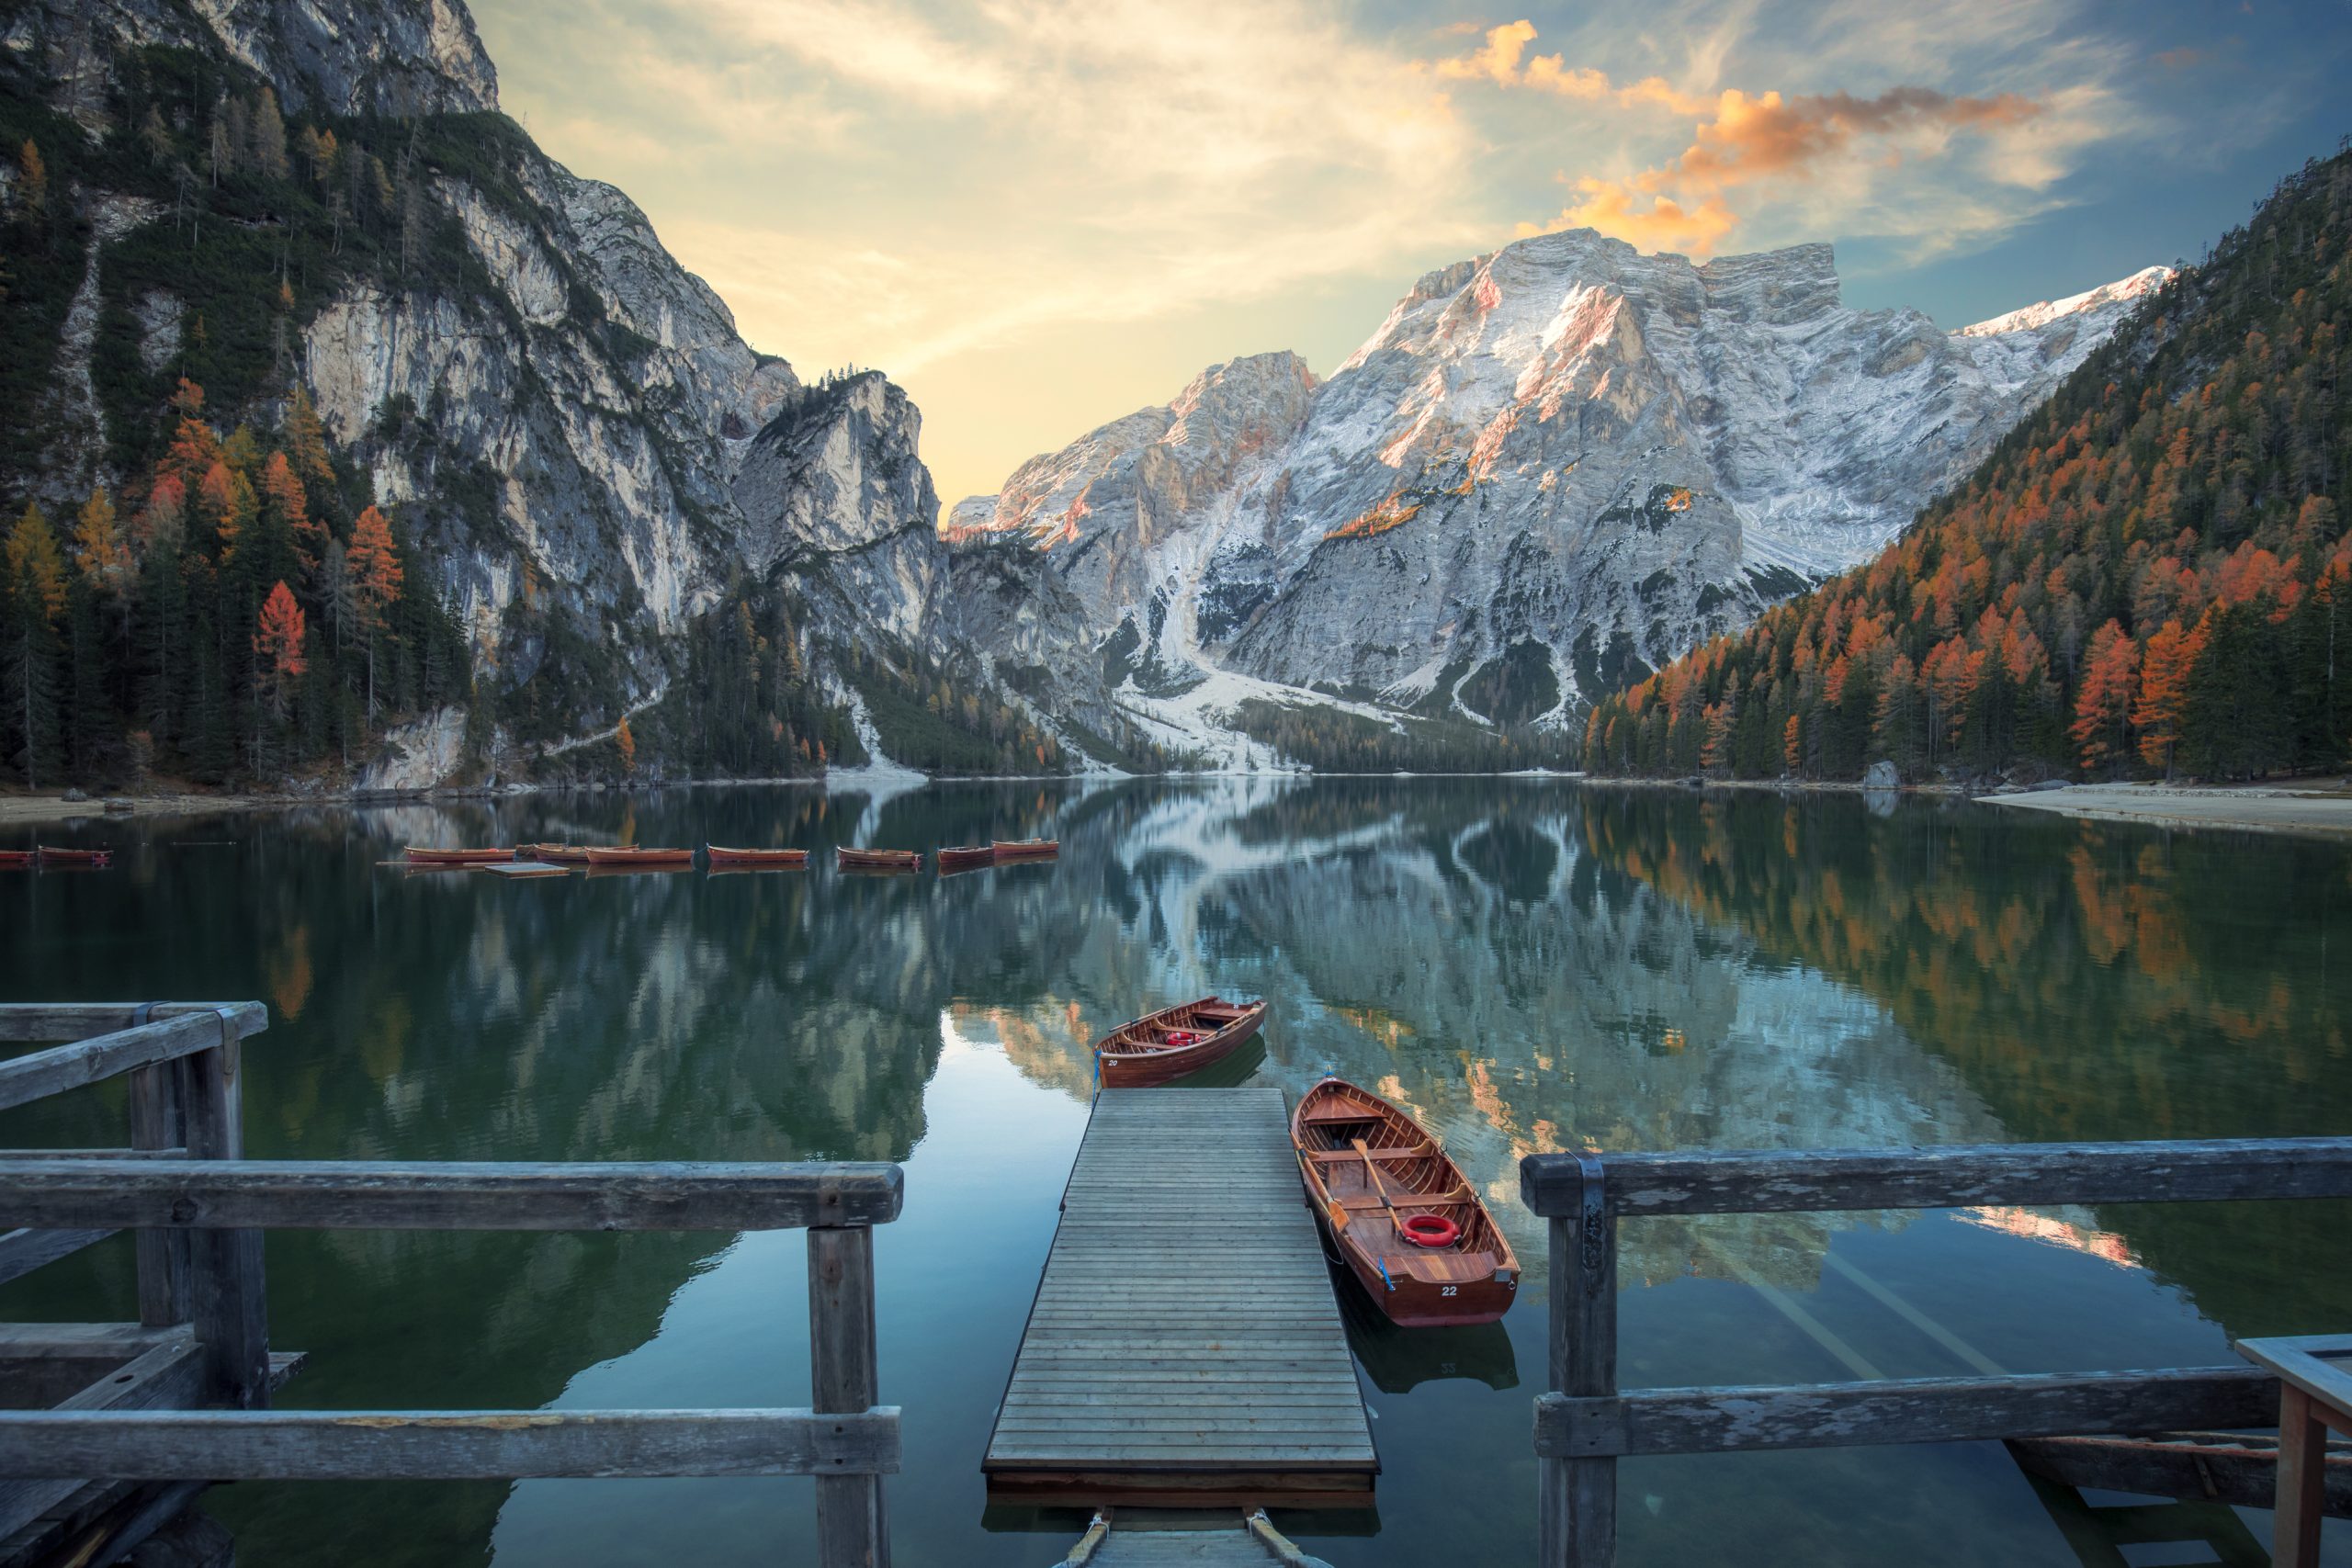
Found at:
[1040, 215]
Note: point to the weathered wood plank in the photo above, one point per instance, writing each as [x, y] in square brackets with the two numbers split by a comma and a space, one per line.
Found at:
[228, 1298]
[1772, 1181]
[22, 1341]
[1167, 1361]
[456, 1195]
[843, 1376]
[168, 1374]
[159, 1122]
[81, 1020]
[61, 1068]
[1575, 1502]
[1902, 1410]
[22, 1251]
[444, 1444]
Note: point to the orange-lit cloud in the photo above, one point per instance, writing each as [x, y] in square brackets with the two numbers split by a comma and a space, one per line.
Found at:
[1503, 61]
[1742, 139]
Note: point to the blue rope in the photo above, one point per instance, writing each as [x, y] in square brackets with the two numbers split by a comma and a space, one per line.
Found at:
[1384, 1280]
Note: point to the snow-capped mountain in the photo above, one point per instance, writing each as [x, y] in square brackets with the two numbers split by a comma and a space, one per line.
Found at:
[1554, 463]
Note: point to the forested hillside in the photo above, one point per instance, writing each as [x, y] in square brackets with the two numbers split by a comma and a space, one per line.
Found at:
[2146, 578]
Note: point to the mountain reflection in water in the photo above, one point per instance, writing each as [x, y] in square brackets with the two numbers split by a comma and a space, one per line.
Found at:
[1525, 965]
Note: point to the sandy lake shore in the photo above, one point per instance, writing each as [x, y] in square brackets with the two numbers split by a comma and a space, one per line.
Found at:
[2305, 806]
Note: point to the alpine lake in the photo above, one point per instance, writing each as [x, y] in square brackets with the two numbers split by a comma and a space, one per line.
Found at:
[1526, 963]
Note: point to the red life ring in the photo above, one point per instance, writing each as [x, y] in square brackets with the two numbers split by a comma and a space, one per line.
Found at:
[1431, 1230]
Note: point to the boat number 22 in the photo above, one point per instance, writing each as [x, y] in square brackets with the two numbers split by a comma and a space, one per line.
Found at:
[1445, 1289]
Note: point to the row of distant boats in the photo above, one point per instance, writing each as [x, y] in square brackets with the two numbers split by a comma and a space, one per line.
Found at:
[52, 856]
[719, 857]
[1398, 1210]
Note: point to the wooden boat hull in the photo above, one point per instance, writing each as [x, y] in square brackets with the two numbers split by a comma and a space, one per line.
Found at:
[1025, 848]
[752, 860]
[52, 856]
[965, 859]
[556, 854]
[604, 858]
[877, 860]
[456, 857]
[1474, 1280]
[1221, 1028]
[14, 859]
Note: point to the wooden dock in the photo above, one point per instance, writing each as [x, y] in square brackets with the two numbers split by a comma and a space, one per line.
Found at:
[1185, 1348]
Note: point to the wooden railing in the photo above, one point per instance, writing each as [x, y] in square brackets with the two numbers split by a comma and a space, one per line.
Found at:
[202, 1339]
[1585, 1423]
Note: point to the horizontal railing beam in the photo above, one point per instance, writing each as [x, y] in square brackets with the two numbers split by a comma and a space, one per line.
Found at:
[80, 1020]
[22, 1251]
[1958, 1175]
[444, 1445]
[61, 1068]
[1902, 1410]
[207, 1194]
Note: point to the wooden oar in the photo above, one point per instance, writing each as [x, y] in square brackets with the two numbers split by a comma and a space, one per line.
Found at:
[1372, 1172]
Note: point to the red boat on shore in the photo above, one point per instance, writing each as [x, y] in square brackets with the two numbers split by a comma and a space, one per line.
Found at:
[1175, 1043]
[750, 860]
[456, 857]
[1397, 1209]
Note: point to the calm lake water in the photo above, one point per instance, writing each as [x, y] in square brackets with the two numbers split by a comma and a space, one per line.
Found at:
[1529, 965]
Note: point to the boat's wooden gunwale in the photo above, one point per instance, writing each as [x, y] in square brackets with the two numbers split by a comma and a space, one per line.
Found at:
[1135, 1054]
[721, 855]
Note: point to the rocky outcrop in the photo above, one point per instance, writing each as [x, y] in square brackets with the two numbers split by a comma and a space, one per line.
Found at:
[581, 447]
[1552, 466]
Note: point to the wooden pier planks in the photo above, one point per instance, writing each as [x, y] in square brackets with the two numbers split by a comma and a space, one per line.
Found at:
[1184, 1341]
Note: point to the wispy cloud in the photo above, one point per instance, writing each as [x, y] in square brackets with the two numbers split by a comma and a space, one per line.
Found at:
[1745, 139]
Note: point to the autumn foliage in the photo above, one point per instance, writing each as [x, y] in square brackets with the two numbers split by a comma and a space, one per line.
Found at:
[198, 621]
[2146, 575]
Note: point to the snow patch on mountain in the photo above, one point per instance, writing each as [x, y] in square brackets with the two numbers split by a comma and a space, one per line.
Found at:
[2026, 318]
[1563, 456]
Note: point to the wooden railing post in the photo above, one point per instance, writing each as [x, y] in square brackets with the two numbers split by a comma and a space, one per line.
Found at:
[159, 1120]
[852, 1531]
[228, 1306]
[1577, 1505]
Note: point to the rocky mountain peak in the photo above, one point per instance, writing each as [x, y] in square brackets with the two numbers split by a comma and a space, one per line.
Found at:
[336, 57]
[1549, 468]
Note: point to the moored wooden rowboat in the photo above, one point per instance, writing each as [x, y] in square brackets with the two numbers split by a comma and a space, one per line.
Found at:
[52, 855]
[848, 859]
[15, 860]
[601, 856]
[1413, 1231]
[1175, 1043]
[456, 857]
[747, 859]
[965, 859]
[556, 854]
[1026, 849]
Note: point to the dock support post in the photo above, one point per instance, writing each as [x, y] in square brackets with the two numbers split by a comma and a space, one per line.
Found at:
[159, 1120]
[852, 1530]
[229, 1307]
[1576, 1503]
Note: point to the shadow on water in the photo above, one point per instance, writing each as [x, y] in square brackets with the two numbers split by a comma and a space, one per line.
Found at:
[1399, 1360]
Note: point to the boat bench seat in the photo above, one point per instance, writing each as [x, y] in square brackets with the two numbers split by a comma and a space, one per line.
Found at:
[1349, 1156]
[1454, 1200]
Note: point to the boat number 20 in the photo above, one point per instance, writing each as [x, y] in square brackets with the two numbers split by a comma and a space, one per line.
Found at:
[1445, 1289]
